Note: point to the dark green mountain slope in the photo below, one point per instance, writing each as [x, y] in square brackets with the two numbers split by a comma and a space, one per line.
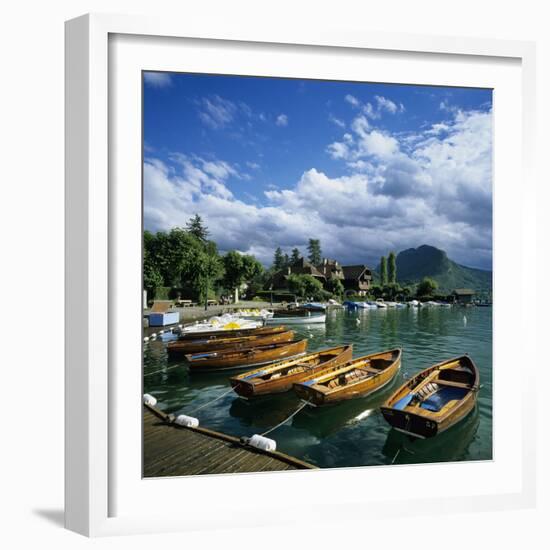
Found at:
[427, 261]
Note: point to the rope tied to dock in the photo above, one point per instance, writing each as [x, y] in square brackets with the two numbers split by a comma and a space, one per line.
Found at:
[163, 370]
[213, 401]
[304, 404]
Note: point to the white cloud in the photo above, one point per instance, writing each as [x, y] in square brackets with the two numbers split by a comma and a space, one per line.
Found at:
[385, 104]
[338, 150]
[374, 112]
[217, 112]
[337, 121]
[379, 144]
[352, 100]
[253, 165]
[433, 186]
[282, 120]
[157, 80]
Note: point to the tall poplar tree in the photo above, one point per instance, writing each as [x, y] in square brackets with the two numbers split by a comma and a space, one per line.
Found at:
[383, 271]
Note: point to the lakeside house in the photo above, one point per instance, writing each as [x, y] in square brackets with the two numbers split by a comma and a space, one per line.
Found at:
[331, 269]
[463, 295]
[301, 267]
[355, 278]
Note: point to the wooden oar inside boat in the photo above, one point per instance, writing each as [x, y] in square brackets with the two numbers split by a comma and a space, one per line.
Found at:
[355, 378]
[280, 376]
[435, 399]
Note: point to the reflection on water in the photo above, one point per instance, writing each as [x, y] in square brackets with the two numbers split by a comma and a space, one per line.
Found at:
[351, 433]
[453, 443]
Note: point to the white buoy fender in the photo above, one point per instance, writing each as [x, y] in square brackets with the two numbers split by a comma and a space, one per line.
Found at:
[264, 443]
[149, 400]
[187, 421]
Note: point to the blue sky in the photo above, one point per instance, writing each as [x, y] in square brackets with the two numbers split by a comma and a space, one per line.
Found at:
[366, 168]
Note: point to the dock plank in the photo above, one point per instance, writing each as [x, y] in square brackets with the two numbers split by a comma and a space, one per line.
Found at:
[171, 450]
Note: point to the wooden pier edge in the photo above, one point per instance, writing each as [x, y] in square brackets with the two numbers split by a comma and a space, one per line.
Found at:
[292, 462]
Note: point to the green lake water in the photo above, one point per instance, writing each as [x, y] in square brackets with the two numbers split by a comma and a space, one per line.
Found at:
[352, 433]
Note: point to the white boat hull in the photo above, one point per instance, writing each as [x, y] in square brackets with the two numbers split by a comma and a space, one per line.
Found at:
[311, 319]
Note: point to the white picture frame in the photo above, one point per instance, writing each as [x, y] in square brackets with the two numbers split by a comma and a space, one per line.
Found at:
[99, 501]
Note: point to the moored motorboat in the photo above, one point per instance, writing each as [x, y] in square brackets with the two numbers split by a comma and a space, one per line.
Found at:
[280, 376]
[381, 304]
[245, 357]
[183, 347]
[356, 378]
[222, 322]
[314, 306]
[435, 399]
[306, 318]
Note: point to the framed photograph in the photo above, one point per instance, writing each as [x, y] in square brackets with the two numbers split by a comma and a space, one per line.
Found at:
[288, 274]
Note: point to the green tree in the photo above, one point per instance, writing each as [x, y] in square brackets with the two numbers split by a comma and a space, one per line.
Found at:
[295, 256]
[171, 252]
[196, 227]
[286, 261]
[152, 279]
[314, 249]
[296, 285]
[239, 269]
[376, 291]
[383, 271]
[278, 259]
[392, 269]
[207, 270]
[335, 287]
[426, 287]
[306, 286]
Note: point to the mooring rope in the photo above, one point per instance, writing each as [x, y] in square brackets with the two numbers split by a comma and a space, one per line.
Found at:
[163, 370]
[396, 454]
[213, 401]
[304, 404]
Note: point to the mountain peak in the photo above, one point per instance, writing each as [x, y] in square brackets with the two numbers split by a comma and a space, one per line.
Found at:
[414, 264]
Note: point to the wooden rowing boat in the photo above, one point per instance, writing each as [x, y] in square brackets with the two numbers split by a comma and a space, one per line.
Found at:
[279, 377]
[355, 378]
[435, 399]
[246, 357]
[184, 347]
[214, 334]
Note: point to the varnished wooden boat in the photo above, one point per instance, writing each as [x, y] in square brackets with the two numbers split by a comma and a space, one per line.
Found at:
[246, 357]
[435, 399]
[355, 378]
[280, 376]
[214, 334]
[183, 347]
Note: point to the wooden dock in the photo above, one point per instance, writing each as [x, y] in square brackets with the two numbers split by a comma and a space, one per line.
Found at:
[172, 450]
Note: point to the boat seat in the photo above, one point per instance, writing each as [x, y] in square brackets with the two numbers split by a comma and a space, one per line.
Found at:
[427, 390]
[370, 370]
[436, 401]
[453, 384]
